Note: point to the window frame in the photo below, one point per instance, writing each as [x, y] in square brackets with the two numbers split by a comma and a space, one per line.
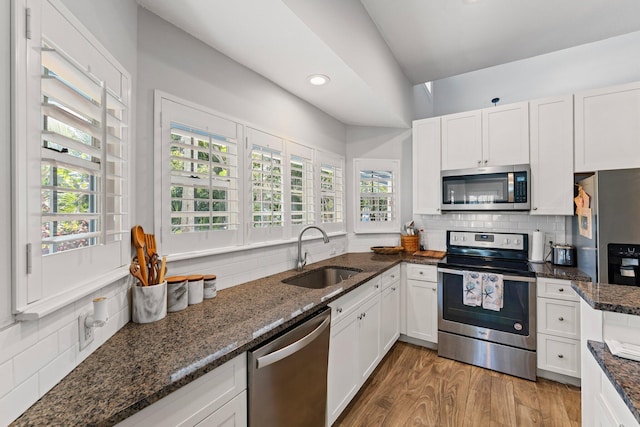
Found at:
[293, 149]
[30, 298]
[338, 162]
[166, 109]
[392, 166]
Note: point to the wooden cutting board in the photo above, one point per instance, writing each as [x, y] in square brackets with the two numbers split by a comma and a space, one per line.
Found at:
[431, 254]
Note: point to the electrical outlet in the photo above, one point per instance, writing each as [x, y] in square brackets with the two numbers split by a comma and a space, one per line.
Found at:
[549, 237]
[85, 332]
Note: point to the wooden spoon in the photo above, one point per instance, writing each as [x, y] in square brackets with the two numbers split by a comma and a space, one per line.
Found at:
[162, 269]
[137, 237]
[136, 272]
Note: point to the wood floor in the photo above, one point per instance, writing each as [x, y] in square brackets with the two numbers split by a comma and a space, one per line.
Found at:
[412, 386]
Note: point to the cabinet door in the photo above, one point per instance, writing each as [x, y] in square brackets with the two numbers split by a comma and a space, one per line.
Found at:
[552, 156]
[505, 135]
[422, 310]
[462, 140]
[343, 377]
[390, 319]
[232, 414]
[369, 338]
[607, 128]
[426, 166]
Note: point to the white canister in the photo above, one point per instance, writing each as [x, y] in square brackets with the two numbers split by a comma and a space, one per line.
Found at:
[149, 303]
[177, 293]
[196, 289]
[210, 288]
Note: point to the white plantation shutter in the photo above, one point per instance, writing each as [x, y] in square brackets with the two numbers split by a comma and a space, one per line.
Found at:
[75, 158]
[301, 179]
[377, 195]
[330, 172]
[199, 202]
[266, 168]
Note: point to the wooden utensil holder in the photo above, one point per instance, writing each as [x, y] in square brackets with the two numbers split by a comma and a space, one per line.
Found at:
[410, 243]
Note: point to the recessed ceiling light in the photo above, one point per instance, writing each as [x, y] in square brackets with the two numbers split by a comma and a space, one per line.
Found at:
[318, 79]
[469, 1]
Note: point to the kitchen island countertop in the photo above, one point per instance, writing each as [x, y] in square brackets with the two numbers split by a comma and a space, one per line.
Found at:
[608, 297]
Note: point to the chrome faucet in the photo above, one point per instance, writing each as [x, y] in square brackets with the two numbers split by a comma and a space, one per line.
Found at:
[301, 262]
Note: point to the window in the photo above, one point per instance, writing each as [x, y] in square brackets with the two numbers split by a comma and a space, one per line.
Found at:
[267, 186]
[331, 182]
[71, 159]
[301, 200]
[199, 204]
[376, 190]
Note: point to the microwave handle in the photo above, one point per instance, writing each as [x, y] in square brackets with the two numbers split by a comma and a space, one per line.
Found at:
[510, 187]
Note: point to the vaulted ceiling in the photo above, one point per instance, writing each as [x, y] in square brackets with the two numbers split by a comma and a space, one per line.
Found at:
[374, 51]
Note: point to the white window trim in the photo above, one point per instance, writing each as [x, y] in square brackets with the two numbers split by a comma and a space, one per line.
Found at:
[338, 161]
[299, 150]
[392, 226]
[289, 233]
[22, 197]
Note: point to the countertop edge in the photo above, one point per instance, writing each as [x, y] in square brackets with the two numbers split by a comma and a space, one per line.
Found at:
[608, 297]
[620, 388]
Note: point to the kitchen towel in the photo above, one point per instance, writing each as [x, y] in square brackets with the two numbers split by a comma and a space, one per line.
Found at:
[537, 247]
[471, 288]
[492, 291]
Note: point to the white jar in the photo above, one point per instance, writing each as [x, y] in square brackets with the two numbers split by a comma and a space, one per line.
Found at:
[210, 287]
[177, 293]
[196, 289]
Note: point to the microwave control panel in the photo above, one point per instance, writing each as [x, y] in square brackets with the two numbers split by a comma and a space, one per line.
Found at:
[520, 187]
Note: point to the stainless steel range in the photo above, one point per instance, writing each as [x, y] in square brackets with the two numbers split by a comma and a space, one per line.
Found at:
[487, 302]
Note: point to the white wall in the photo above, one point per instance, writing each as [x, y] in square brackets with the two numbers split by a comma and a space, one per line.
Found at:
[175, 62]
[378, 143]
[35, 355]
[603, 63]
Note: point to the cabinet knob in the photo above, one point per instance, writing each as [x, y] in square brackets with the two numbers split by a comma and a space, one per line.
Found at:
[560, 356]
[486, 161]
[438, 210]
[433, 289]
[561, 290]
[339, 309]
[393, 276]
[393, 289]
[364, 315]
[376, 286]
[561, 319]
[479, 162]
[535, 209]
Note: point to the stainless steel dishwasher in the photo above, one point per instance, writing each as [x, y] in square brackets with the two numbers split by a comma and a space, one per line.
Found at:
[288, 376]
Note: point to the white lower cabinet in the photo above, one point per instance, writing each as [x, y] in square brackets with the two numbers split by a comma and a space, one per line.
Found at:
[390, 318]
[232, 414]
[558, 315]
[218, 398]
[422, 302]
[365, 326]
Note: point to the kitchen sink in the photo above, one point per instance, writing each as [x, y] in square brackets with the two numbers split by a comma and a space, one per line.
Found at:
[322, 277]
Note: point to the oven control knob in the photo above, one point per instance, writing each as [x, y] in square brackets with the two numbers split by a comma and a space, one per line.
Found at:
[507, 241]
[516, 242]
[463, 238]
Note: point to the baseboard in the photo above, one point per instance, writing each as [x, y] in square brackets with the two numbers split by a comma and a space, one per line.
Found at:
[416, 341]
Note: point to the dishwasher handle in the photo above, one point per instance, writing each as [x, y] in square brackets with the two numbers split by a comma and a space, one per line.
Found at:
[287, 351]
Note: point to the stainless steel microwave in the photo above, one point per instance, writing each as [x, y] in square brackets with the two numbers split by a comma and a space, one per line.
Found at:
[499, 188]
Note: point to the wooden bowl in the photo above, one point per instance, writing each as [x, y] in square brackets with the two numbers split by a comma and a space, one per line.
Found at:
[387, 250]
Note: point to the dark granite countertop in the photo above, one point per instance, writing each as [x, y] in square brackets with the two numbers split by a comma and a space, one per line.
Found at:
[607, 297]
[623, 374]
[142, 363]
[546, 269]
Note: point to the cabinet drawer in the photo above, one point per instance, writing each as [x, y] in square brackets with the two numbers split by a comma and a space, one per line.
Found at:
[344, 305]
[390, 277]
[422, 272]
[556, 288]
[560, 355]
[192, 403]
[559, 318]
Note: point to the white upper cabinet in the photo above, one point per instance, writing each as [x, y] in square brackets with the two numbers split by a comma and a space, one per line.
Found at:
[462, 140]
[496, 136]
[426, 166]
[552, 156]
[607, 128]
[505, 135]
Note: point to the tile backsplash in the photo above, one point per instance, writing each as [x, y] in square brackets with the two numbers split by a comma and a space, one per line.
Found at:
[436, 226]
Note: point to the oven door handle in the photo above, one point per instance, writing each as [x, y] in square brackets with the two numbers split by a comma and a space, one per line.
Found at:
[505, 277]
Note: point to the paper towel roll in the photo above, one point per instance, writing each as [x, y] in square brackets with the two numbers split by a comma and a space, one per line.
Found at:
[537, 247]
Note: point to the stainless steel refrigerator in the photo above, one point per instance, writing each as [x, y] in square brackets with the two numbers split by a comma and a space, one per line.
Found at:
[615, 210]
